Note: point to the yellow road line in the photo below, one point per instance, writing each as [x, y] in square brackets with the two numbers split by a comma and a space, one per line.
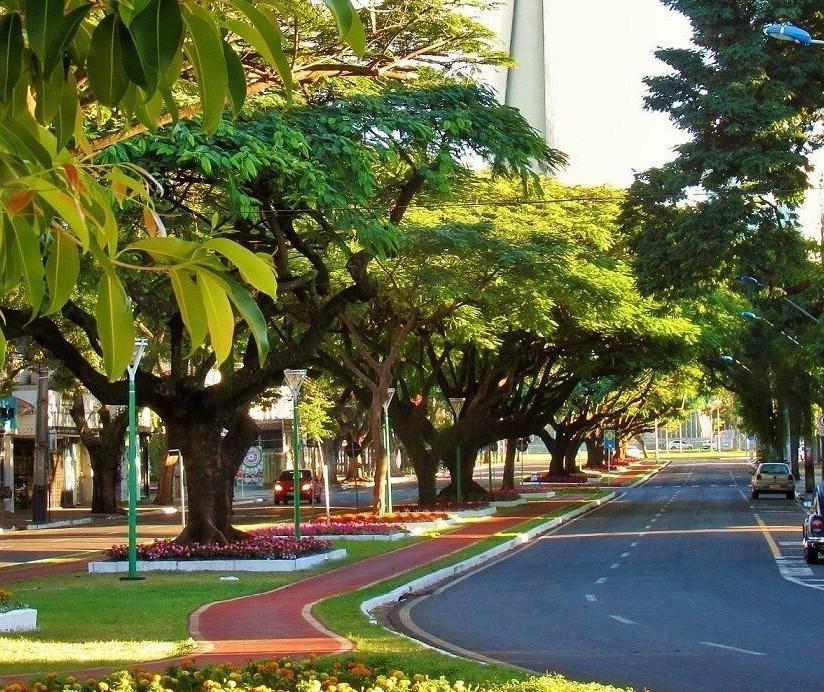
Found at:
[765, 531]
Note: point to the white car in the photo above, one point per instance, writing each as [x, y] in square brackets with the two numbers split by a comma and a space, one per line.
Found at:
[680, 444]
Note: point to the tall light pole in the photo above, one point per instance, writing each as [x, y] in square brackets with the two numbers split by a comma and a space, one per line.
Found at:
[752, 317]
[294, 380]
[40, 491]
[456, 403]
[140, 347]
[387, 445]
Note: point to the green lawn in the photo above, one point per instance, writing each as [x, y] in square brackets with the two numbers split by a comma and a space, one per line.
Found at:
[92, 620]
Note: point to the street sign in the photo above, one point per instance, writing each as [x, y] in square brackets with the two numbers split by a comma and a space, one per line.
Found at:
[609, 439]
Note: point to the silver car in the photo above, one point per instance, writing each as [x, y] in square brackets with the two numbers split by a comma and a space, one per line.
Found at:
[773, 477]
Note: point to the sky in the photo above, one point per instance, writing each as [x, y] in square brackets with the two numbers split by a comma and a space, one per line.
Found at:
[599, 52]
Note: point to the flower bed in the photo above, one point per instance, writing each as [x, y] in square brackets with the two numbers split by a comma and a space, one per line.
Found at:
[287, 676]
[572, 478]
[444, 506]
[504, 496]
[319, 527]
[255, 547]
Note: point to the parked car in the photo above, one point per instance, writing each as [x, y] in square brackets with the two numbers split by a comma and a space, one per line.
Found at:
[813, 528]
[773, 477]
[310, 487]
[679, 444]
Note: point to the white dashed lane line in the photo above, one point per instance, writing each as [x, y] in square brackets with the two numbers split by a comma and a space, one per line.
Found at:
[591, 597]
[622, 619]
[600, 580]
[733, 648]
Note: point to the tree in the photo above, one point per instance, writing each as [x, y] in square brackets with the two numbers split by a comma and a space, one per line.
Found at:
[322, 204]
[724, 205]
[63, 58]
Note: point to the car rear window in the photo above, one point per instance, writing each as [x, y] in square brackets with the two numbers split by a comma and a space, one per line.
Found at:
[289, 475]
[775, 469]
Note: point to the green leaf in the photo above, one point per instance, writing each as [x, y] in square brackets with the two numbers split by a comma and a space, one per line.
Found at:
[206, 53]
[252, 268]
[264, 36]
[20, 136]
[50, 31]
[190, 303]
[65, 120]
[165, 249]
[219, 316]
[349, 25]
[62, 270]
[236, 79]
[26, 247]
[157, 32]
[107, 77]
[11, 53]
[115, 325]
[251, 314]
[67, 208]
[2, 349]
[132, 60]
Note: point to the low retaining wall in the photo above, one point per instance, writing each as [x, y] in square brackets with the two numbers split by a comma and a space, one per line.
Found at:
[20, 620]
[301, 563]
[365, 537]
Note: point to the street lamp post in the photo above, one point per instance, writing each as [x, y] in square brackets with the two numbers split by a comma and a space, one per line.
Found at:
[387, 444]
[456, 403]
[140, 347]
[747, 279]
[294, 380]
[748, 315]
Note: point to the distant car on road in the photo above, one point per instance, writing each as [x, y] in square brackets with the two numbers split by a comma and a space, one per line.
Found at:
[813, 528]
[773, 477]
[309, 486]
[680, 444]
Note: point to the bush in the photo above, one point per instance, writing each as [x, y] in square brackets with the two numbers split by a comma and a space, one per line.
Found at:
[401, 515]
[7, 603]
[353, 527]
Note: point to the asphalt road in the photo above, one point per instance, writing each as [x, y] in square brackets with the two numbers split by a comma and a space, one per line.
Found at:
[684, 583]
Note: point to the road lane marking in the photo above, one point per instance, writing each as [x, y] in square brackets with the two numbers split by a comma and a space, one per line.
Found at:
[624, 554]
[776, 553]
[633, 545]
[600, 580]
[614, 565]
[591, 597]
[793, 543]
[622, 619]
[648, 526]
[733, 648]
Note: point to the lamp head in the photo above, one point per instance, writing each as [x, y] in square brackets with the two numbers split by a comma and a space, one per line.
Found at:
[747, 315]
[390, 393]
[788, 32]
[728, 358]
[747, 279]
[457, 403]
[294, 380]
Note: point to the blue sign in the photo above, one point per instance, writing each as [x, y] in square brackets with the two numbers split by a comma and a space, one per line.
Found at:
[609, 439]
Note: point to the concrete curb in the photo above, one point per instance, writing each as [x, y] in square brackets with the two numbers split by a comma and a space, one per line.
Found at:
[652, 473]
[301, 563]
[471, 563]
[60, 524]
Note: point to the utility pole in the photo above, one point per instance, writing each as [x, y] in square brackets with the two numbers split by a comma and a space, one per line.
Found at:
[41, 448]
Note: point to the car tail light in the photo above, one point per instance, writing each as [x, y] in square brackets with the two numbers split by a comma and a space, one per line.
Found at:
[278, 486]
[817, 524]
[758, 476]
[790, 478]
[306, 486]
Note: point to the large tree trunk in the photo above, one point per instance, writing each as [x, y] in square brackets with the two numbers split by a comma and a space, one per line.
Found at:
[508, 482]
[426, 467]
[571, 454]
[105, 447]
[595, 451]
[211, 464]
[330, 450]
[470, 490]
[381, 460]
